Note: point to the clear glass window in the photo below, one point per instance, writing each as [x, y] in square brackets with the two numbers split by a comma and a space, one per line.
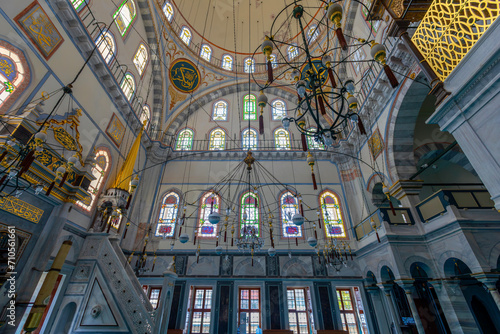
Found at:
[168, 10]
[279, 110]
[106, 46]
[128, 86]
[186, 35]
[282, 139]
[249, 139]
[227, 63]
[249, 65]
[206, 52]
[219, 111]
[141, 58]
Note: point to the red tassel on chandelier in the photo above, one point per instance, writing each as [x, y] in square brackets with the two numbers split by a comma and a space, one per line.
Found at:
[332, 78]
[297, 242]
[252, 261]
[315, 234]
[269, 71]
[341, 38]
[217, 243]
[315, 186]
[321, 105]
[304, 142]
[392, 207]
[128, 201]
[261, 124]
[390, 75]
[3, 179]
[26, 166]
[225, 236]
[49, 190]
[27, 158]
[125, 232]
[319, 258]
[232, 241]
[153, 267]
[378, 238]
[301, 209]
[319, 222]
[194, 239]
[361, 126]
[180, 230]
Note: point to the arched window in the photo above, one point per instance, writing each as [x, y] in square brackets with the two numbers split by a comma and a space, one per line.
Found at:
[128, 86]
[210, 202]
[79, 4]
[145, 115]
[282, 139]
[279, 110]
[185, 140]
[289, 207]
[141, 58]
[249, 107]
[292, 52]
[332, 217]
[169, 210]
[186, 35]
[107, 46]
[312, 143]
[312, 33]
[13, 74]
[217, 140]
[227, 62]
[125, 15]
[250, 211]
[168, 10]
[249, 65]
[249, 139]
[219, 112]
[274, 61]
[99, 171]
[206, 52]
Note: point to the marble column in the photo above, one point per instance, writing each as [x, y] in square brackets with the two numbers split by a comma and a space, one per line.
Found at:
[163, 310]
[387, 290]
[407, 285]
[465, 322]
[447, 307]
[490, 281]
[381, 316]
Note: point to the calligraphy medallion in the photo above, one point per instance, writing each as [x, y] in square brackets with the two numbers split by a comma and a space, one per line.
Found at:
[184, 75]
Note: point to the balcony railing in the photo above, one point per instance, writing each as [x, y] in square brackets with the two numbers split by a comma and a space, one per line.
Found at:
[450, 29]
[435, 205]
[234, 145]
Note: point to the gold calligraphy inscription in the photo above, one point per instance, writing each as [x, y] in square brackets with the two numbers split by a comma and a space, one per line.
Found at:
[116, 130]
[376, 144]
[65, 139]
[5, 67]
[185, 77]
[42, 32]
[21, 209]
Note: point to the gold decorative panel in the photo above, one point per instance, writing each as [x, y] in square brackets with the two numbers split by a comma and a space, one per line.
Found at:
[450, 29]
[21, 209]
[376, 144]
[115, 130]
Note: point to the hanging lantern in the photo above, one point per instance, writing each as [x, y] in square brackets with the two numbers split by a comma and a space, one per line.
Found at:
[310, 162]
[262, 101]
[214, 218]
[301, 88]
[40, 139]
[327, 62]
[183, 238]
[378, 53]
[64, 174]
[131, 189]
[334, 13]
[218, 250]
[267, 49]
[297, 219]
[349, 86]
[286, 123]
[271, 251]
[352, 102]
[312, 241]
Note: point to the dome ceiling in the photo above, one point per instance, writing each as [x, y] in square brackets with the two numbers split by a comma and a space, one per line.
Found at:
[252, 20]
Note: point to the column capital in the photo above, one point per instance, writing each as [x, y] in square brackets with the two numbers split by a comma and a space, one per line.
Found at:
[402, 188]
[406, 284]
[372, 289]
[386, 287]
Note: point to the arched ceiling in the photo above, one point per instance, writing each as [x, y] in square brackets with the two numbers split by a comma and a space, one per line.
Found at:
[252, 20]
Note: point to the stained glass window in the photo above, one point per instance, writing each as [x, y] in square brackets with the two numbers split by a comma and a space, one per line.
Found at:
[168, 215]
[312, 33]
[106, 46]
[168, 10]
[154, 297]
[292, 52]
[249, 303]
[299, 310]
[12, 73]
[249, 139]
[185, 140]
[209, 203]
[249, 107]
[312, 143]
[217, 140]
[250, 206]
[79, 4]
[128, 86]
[274, 61]
[227, 62]
[289, 207]
[141, 58]
[186, 35]
[145, 115]
[124, 16]
[206, 52]
[282, 139]
[249, 65]
[332, 217]
[220, 111]
[201, 310]
[279, 110]
[99, 171]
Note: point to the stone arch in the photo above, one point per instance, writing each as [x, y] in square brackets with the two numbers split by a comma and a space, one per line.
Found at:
[455, 155]
[494, 258]
[66, 319]
[467, 259]
[454, 267]
[295, 267]
[424, 263]
[245, 268]
[370, 277]
[180, 117]
[401, 127]
[380, 265]
[386, 274]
